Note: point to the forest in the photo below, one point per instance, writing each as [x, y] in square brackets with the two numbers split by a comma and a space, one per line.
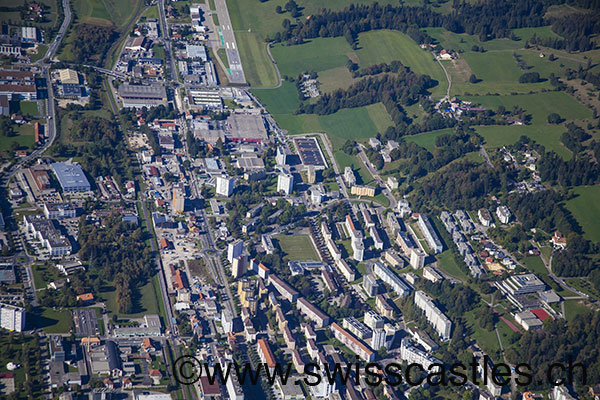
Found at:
[487, 20]
[556, 342]
[118, 252]
[92, 40]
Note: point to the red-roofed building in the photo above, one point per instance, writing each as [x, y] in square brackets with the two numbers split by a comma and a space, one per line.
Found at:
[209, 390]
[558, 240]
[265, 353]
[156, 376]
[541, 314]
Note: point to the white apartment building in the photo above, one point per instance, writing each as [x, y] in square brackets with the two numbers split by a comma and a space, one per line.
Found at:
[225, 186]
[440, 322]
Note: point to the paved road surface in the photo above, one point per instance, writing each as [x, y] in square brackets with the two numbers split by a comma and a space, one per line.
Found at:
[225, 30]
[167, 41]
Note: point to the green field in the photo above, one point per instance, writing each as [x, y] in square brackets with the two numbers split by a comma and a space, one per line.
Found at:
[448, 264]
[222, 54]
[585, 207]
[427, 139]
[573, 308]
[539, 105]
[297, 247]
[258, 68]
[24, 139]
[535, 265]
[283, 100]
[146, 301]
[151, 12]
[386, 46]
[53, 321]
[159, 51]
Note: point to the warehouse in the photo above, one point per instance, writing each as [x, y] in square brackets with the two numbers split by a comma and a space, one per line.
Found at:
[139, 96]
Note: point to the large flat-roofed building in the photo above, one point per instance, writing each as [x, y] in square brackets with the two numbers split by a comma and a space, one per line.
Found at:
[10, 46]
[313, 313]
[18, 85]
[522, 284]
[433, 241]
[436, 318]
[195, 51]
[138, 96]
[71, 177]
[68, 76]
[12, 317]
[247, 128]
[356, 327]
[205, 98]
[7, 274]
[354, 344]
[389, 277]
[44, 230]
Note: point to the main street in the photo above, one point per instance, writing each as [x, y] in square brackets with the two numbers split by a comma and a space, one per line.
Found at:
[167, 41]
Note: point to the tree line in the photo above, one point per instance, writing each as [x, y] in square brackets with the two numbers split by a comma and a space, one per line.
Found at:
[487, 20]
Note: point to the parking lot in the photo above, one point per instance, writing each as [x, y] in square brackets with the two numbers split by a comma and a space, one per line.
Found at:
[86, 323]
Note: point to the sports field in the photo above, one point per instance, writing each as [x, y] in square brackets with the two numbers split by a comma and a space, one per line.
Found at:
[585, 207]
[297, 247]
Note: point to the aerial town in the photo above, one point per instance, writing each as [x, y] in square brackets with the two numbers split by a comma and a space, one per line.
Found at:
[157, 204]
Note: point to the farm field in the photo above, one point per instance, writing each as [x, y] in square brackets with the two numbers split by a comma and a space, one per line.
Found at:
[297, 247]
[586, 210]
[549, 136]
[386, 46]
[283, 100]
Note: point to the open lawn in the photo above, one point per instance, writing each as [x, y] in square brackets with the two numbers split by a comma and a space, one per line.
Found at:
[52, 321]
[335, 78]
[535, 265]
[316, 55]
[24, 138]
[427, 139]
[146, 300]
[258, 68]
[350, 124]
[585, 207]
[297, 247]
[283, 100]
[159, 51]
[448, 264]
[151, 12]
[486, 339]
[584, 285]
[574, 307]
[539, 105]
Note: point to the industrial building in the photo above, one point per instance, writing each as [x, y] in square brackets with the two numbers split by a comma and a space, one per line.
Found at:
[71, 177]
[139, 96]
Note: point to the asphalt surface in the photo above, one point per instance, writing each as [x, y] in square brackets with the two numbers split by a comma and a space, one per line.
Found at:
[227, 37]
[167, 41]
[85, 322]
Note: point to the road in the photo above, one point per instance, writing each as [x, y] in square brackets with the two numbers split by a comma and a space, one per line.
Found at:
[227, 37]
[167, 41]
[61, 32]
[485, 156]
[447, 97]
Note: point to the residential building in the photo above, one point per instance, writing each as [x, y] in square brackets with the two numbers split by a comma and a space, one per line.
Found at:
[412, 354]
[178, 199]
[432, 275]
[390, 277]
[374, 321]
[264, 352]
[225, 186]
[356, 327]
[354, 344]
[227, 320]
[59, 210]
[378, 339]
[384, 306]
[484, 217]
[285, 290]
[503, 214]
[371, 285]
[285, 183]
[359, 190]
[349, 176]
[234, 250]
[417, 258]
[345, 269]
[436, 318]
[431, 237]
[12, 317]
[44, 230]
[313, 313]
